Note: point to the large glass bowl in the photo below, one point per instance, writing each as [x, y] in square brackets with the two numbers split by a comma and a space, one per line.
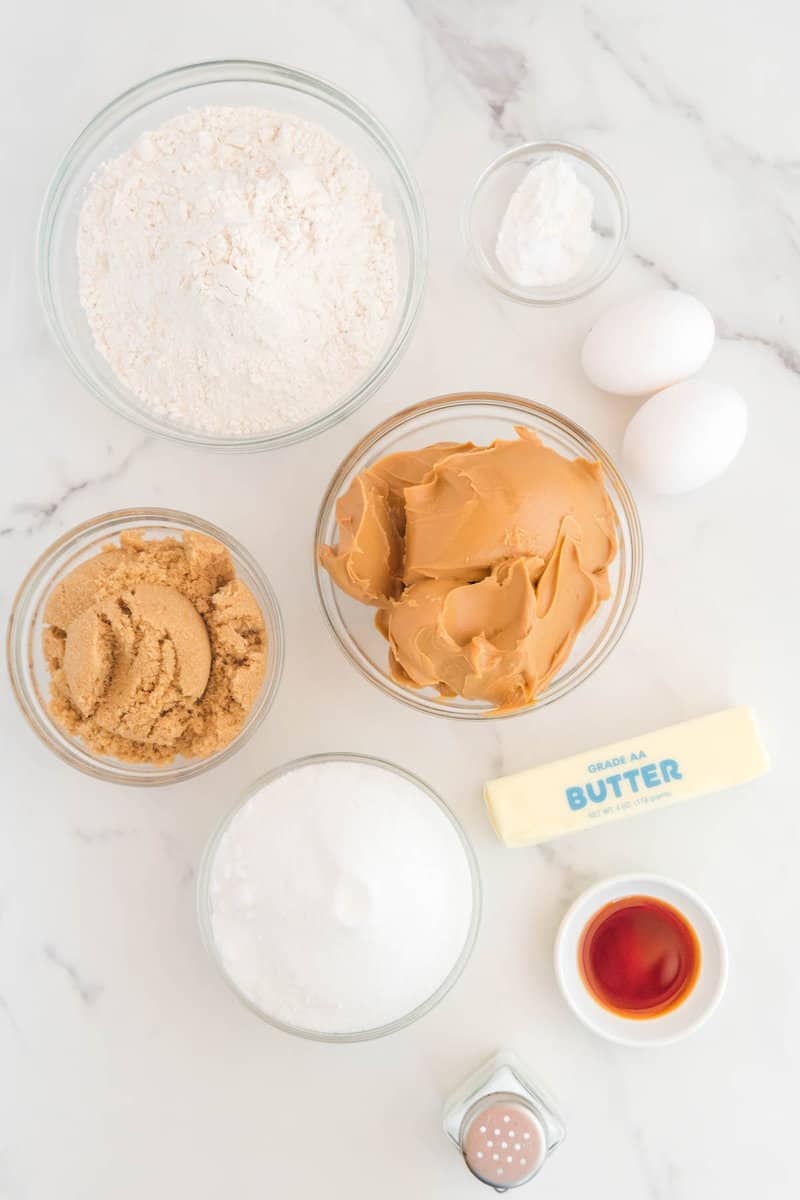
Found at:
[30, 679]
[148, 105]
[479, 417]
[452, 974]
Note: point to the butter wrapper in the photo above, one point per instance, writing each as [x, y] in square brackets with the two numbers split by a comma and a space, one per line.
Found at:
[626, 778]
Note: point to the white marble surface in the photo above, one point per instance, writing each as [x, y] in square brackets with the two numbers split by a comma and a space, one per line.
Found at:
[127, 1069]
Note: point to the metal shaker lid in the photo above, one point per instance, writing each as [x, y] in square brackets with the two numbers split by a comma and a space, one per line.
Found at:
[503, 1140]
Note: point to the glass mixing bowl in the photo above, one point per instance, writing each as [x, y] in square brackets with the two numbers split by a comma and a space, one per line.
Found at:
[30, 679]
[206, 924]
[148, 105]
[479, 417]
[489, 200]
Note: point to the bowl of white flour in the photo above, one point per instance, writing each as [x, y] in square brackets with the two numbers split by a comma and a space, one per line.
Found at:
[340, 899]
[233, 254]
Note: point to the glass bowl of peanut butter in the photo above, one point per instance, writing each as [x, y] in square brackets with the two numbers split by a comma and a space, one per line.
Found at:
[478, 555]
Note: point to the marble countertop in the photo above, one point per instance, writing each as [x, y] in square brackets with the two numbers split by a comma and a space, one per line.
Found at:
[127, 1068]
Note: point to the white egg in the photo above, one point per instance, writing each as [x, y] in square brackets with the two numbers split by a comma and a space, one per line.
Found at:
[648, 343]
[685, 436]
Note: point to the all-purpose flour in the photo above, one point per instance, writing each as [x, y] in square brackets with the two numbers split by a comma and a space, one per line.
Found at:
[237, 269]
[341, 897]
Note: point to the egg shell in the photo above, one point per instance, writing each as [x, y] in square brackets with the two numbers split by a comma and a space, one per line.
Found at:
[648, 343]
[685, 436]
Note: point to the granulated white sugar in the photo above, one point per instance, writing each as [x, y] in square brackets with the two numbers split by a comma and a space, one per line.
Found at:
[237, 269]
[341, 897]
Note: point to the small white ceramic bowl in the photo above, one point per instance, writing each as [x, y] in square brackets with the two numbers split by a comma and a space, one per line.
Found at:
[653, 1031]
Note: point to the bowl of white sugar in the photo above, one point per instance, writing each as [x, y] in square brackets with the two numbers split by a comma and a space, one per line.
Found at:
[340, 899]
[233, 254]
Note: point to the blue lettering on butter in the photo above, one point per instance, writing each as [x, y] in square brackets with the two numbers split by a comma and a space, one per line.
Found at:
[596, 791]
[670, 769]
[576, 798]
[621, 786]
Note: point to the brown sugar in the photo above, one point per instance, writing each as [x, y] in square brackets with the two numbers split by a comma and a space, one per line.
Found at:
[155, 649]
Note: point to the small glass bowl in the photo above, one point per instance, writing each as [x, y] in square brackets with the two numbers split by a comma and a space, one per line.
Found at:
[206, 924]
[149, 104]
[487, 204]
[479, 417]
[26, 662]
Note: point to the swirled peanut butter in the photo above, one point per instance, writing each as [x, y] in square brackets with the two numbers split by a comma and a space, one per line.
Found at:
[484, 562]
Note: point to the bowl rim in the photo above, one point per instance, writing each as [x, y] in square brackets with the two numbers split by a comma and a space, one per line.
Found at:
[627, 884]
[562, 294]
[202, 904]
[504, 401]
[34, 708]
[183, 78]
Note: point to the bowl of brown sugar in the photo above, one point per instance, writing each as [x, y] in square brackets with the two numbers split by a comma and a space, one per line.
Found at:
[145, 646]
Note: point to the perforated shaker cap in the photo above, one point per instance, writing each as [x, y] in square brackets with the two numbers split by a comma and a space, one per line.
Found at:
[503, 1141]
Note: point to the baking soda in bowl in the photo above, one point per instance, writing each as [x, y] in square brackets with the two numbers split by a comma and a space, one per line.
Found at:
[341, 897]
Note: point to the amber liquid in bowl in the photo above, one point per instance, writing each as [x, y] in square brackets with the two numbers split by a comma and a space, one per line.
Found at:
[639, 957]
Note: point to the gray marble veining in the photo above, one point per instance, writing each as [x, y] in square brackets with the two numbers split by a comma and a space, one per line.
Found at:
[128, 1070]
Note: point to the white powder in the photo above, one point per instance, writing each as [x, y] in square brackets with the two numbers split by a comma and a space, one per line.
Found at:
[546, 233]
[341, 897]
[237, 269]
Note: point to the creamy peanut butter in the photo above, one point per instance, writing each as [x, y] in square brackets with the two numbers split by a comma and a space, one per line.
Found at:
[484, 562]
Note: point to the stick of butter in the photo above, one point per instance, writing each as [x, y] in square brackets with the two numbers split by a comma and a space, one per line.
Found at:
[626, 778]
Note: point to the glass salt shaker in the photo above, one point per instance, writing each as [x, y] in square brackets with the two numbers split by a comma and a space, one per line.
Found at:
[503, 1124]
